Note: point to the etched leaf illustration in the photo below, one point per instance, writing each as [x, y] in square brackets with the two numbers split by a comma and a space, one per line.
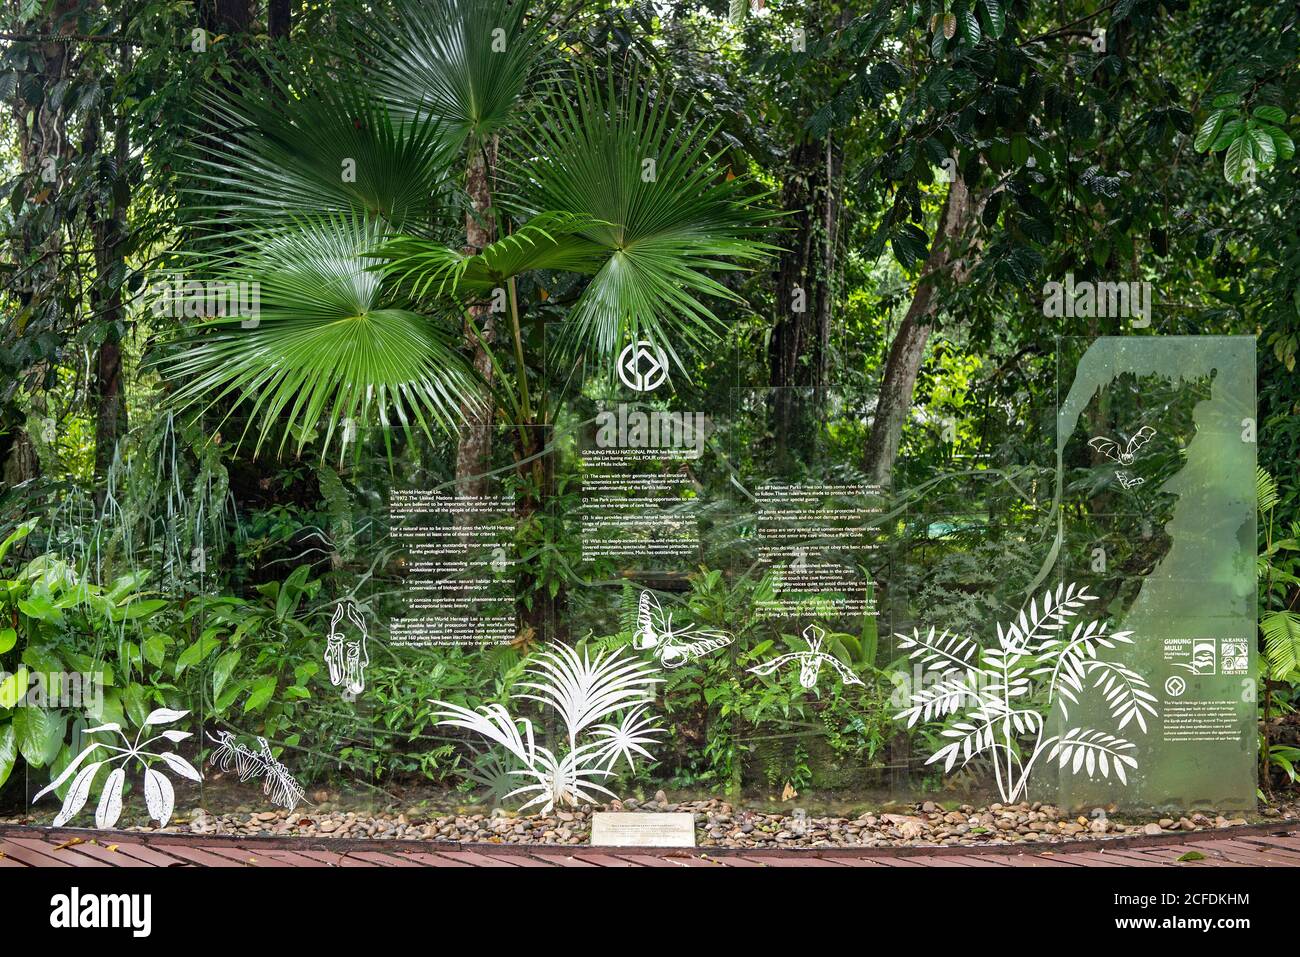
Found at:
[110, 800]
[988, 697]
[159, 796]
[77, 794]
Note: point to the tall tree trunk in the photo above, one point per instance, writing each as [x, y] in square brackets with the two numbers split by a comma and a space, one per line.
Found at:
[279, 19]
[474, 450]
[908, 349]
[108, 229]
[42, 152]
[806, 268]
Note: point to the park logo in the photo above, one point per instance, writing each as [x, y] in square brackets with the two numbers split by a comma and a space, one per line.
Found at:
[642, 366]
[76, 910]
[1101, 300]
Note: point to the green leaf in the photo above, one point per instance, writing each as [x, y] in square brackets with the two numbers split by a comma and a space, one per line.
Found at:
[1227, 134]
[1261, 146]
[996, 19]
[8, 638]
[1208, 131]
[222, 670]
[1191, 856]
[8, 750]
[663, 215]
[1238, 160]
[155, 650]
[196, 652]
[137, 610]
[17, 535]
[330, 344]
[13, 688]
[261, 692]
[35, 727]
[41, 608]
[1269, 113]
[1282, 144]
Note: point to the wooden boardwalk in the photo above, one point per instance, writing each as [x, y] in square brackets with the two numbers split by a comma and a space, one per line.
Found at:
[1276, 846]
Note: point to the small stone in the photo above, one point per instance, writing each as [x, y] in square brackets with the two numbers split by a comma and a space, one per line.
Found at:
[1153, 829]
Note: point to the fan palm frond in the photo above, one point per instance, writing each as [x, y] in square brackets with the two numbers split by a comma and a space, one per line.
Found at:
[584, 689]
[662, 210]
[466, 62]
[548, 241]
[314, 150]
[330, 343]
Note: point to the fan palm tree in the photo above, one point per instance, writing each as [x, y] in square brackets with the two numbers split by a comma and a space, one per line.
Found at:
[363, 277]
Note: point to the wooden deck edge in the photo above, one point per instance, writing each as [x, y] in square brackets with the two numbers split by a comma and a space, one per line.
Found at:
[347, 844]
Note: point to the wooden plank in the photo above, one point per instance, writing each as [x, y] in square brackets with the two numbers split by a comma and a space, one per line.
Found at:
[1287, 844]
[1168, 855]
[106, 857]
[65, 853]
[1280, 857]
[384, 860]
[243, 855]
[295, 859]
[475, 859]
[530, 860]
[597, 859]
[32, 858]
[1040, 860]
[649, 860]
[431, 860]
[112, 851]
[1095, 859]
[196, 855]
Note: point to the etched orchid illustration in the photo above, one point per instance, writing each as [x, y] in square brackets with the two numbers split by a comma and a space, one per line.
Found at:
[159, 795]
[347, 657]
[602, 703]
[277, 783]
[673, 647]
[989, 689]
[810, 662]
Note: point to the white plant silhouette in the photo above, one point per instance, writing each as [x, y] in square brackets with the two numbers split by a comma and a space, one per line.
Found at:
[990, 689]
[277, 783]
[159, 796]
[584, 692]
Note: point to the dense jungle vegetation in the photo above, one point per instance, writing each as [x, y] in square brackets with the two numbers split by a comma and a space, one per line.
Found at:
[862, 200]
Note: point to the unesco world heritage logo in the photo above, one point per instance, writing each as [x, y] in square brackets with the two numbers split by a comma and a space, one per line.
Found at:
[642, 366]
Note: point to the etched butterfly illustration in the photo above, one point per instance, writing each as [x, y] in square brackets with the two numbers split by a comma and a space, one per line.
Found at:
[1128, 481]
[810, 661]
[673, 647]
[1123, 455]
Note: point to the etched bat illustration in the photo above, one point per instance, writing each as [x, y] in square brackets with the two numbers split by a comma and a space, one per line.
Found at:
[673, 647]
[810, 661]
[1125, 454]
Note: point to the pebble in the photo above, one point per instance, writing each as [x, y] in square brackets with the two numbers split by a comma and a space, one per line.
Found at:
[718, 824]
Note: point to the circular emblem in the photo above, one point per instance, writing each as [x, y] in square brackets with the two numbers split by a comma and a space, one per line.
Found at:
[1175, 686]
[642, 366]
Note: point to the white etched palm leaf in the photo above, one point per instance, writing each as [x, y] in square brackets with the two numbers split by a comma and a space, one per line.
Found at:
[1094, 752]
[584, 690]
[1125, 692]
[942, 654]
[494, 723]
